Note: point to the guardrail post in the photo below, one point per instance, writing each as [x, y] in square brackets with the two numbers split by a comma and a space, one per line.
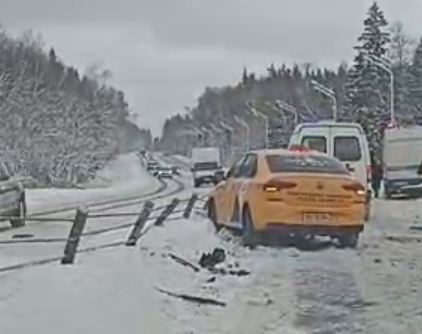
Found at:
[139, 224]
[74, 237]
[189, 206]
[166, 212]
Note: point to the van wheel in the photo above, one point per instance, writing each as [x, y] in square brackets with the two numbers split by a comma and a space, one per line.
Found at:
[249, 235]
[212, 215]
[348, 240]
[21, 213]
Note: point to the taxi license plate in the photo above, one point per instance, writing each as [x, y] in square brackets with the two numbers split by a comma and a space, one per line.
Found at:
[317, 218]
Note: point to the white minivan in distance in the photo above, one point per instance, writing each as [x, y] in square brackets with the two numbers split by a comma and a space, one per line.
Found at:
[345, 141]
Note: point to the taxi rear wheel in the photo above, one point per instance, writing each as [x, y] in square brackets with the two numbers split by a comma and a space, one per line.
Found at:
[348, 240]
[249, 235]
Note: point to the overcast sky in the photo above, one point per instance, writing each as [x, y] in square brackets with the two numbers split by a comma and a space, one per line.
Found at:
[163, 53]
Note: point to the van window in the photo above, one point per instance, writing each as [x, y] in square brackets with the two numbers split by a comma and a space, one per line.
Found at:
[317, 143]
[347, 148]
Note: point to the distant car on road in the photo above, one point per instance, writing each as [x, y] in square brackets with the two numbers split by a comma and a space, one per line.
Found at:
[152, 166]
[164, 172]
[175, 170]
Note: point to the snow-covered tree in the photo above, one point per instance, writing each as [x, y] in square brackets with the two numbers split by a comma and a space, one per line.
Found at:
[400, 56]
[55, 126]
[415, 85]
[367, 87]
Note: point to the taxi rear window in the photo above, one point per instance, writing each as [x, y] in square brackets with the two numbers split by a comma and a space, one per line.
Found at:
[304, 164]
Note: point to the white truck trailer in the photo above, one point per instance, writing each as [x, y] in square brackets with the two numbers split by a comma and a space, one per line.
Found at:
[205, 162]
[402, 160]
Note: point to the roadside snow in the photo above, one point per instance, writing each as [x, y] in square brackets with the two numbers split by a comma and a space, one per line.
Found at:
[373, 289]
[126, 177]
[102, 294]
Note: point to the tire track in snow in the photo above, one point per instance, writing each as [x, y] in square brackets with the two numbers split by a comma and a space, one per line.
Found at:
[328, 295]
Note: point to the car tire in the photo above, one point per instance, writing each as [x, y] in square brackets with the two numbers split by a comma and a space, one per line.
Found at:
[212, 215]
[348, 240]
[21, 213]
[387, 193]
[196, 184]
[249, 235]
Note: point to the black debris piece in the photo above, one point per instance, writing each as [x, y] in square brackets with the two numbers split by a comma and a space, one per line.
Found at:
[211, 279]
[232, 272]
[195, 299]
[22, 236]
[183, 262]
[210, 260]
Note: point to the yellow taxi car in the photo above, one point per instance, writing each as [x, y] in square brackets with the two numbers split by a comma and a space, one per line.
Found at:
[295, 192]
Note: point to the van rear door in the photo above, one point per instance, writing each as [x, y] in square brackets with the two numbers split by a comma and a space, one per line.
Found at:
[349, 146]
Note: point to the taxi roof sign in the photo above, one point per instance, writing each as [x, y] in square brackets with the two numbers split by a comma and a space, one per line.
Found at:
[299, 148]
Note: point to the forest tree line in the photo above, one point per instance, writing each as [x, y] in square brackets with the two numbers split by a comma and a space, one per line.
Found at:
[57, 126]
[362, 92]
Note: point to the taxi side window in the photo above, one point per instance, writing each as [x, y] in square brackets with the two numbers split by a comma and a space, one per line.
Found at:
[250, 166]
[235, 170]
[317, 143]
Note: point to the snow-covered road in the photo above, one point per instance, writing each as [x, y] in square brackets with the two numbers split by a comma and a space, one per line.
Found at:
[374, 289]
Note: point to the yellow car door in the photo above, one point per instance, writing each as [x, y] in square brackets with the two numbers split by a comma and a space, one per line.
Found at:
[226, 192]
[240, 187]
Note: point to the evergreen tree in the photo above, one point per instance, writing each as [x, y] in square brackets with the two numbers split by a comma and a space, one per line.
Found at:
[400, 56]
[367, 87]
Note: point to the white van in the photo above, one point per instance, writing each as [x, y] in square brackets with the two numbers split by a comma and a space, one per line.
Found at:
[402, 160]
[345, 141]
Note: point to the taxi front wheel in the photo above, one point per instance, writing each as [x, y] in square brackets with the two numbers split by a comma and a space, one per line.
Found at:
[249, 235]
[212, 215]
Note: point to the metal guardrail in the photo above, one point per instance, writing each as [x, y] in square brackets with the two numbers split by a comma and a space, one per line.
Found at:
[165, 213]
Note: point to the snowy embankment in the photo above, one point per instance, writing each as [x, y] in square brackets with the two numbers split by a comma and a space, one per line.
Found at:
[124, 176]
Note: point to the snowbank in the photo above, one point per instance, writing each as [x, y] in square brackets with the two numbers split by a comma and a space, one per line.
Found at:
[125, 176]
[102, 294]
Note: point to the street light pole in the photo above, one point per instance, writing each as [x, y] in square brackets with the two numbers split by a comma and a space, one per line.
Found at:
[281, 105]
[230, 145]
[259, 114]
[386, 66]
[199, 132]
[209, 133]
[248, 131]
[229, 129]
[217, 129]
[328, 92]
